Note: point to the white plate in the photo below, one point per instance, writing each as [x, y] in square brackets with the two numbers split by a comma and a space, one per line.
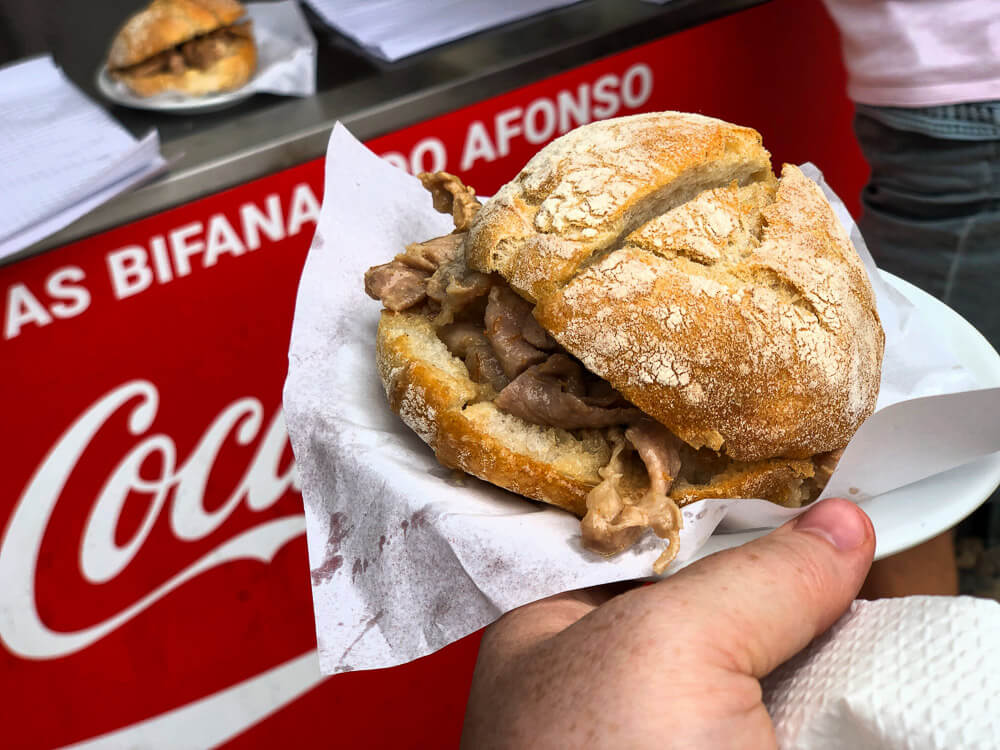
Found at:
[913, 514]
[170, 102]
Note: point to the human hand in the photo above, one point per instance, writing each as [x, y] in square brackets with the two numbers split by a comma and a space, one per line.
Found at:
[674, 664]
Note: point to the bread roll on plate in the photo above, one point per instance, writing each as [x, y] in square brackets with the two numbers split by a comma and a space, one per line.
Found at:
[192, 47]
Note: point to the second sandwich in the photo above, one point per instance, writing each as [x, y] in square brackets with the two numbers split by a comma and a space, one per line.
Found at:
[192, 47]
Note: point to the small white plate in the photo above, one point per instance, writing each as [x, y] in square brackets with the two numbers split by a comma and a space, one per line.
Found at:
[172, 102]
[917, 512]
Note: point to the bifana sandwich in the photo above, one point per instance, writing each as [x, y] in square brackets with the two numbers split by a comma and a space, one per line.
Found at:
[644, 317]
[192, 47]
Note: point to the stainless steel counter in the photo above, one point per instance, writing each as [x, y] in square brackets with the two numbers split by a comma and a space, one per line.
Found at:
[209, 153]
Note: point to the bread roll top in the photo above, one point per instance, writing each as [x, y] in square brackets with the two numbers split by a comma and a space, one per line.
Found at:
[167, 23]
[731, 307]
[585, 191]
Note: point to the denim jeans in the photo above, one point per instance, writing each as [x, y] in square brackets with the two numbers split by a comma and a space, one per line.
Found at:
[932, 208]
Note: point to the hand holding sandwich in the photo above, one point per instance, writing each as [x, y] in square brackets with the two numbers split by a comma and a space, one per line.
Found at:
[674, 664]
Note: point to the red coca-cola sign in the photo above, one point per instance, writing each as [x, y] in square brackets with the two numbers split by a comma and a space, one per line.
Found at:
[152, 528]
[154, 586]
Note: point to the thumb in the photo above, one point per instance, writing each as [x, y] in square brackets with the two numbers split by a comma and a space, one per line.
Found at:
[755, 606]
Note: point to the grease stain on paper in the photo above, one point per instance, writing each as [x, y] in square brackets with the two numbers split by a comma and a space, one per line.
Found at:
[333, 561]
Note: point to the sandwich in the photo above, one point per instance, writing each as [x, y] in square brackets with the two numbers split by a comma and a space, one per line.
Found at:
[645, 316]
[193, 47]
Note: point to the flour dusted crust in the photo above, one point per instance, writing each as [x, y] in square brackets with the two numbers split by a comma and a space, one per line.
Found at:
[663, 254]
[225, 74]
[583, 191]
[433, 394]
[167, 23]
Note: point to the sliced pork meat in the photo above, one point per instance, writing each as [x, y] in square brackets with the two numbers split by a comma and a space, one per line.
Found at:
[397, 285]
[432, 254]
[435, 268]
[611, 524]
[461, 337]
[541, 395]
[516, 336]
[402, 283]
[200, 52]
[531, 329]
[451, 196]
[484, 367]
[175, 63]
[564, 368]
[152, 66]
[204, 50]
[454, 286]
[169, 61]
[614, 523]
[468, 341]
[657, 447]
[601, 393]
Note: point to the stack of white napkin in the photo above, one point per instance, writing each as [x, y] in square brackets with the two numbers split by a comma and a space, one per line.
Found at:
[392, 29]
[62, 155]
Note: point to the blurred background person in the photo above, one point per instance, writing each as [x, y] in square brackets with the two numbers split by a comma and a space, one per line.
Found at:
[925, 79]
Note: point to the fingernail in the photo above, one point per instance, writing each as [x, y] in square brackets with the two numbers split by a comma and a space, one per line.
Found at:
[838, 521]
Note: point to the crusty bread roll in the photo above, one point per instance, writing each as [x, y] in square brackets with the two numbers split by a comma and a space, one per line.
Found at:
[662, 253]
[166, 25]
[740, 318]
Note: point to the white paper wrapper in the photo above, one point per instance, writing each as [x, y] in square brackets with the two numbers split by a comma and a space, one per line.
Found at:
[286, 49]
[406, 558]
[920, 673]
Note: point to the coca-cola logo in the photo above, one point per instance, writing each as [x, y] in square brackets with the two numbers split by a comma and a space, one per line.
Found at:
[178, 491]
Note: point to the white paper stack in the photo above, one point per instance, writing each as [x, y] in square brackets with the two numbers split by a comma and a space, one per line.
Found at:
[392, 29]
[920, 673]
[61, 154]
